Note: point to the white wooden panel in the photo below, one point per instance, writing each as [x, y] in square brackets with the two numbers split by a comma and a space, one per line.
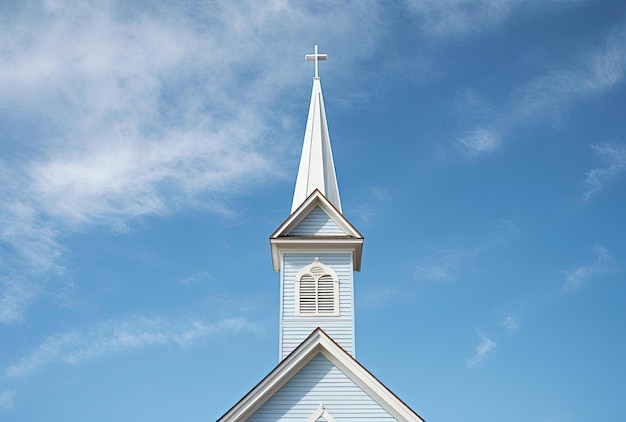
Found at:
[320, 382]
[317, 223]
[294, 328]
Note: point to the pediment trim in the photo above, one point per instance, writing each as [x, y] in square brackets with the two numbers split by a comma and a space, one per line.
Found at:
[319, 342]
[351, 239]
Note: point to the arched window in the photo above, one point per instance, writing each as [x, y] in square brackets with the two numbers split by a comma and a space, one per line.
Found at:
[317, 290]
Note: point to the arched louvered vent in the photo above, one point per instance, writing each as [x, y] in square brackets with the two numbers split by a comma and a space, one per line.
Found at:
[317, 290]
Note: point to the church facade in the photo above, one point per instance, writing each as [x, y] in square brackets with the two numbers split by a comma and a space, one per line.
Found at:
[316, 252]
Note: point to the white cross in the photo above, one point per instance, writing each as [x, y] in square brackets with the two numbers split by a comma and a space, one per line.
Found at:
[316, 57]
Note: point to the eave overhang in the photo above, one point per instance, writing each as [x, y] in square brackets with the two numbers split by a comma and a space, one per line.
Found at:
[307, 243]
[281, 240]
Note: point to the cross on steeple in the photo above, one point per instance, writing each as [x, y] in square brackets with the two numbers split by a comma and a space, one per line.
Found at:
[317, 170]
[316, 57]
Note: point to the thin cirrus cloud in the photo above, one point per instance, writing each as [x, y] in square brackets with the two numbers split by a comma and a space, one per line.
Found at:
[483, 350]
[481, 141]
[17, 295]
[597, 179]
[122, 336]
[376, 197]
[446, 263]
[454, 18]
[119, 113]
[576, 277]
[382, 296]
[546, 96]
[510, 323]
[6, 399]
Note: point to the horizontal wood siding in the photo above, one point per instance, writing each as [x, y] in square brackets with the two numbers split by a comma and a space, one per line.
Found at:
[317, 223]
[294, 329]
[320, 382]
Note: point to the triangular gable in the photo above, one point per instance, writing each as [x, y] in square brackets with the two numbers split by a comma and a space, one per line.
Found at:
[317, 223]
[321, 347]
[324, 392]
[298, 231]
[316, 199]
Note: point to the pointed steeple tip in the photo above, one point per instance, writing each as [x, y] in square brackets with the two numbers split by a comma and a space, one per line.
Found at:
[317, 168]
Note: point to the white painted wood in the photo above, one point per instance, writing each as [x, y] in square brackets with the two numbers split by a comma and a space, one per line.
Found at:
[321, 413]
[320, 381]
[317, 223]
[321, 373]
[316, 291]
[316, 57]
[295, 326]
[317, 377]
[351, 239]
[317, 168]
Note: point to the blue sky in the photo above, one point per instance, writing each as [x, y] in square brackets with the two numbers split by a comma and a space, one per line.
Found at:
[147, 151]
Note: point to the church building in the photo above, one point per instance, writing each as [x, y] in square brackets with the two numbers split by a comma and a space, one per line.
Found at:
[316, 252]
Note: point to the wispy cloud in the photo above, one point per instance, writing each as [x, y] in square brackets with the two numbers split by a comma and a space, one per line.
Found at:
[451, 18]
[485, 348]
[121, 336]
[446, 263]
[6, 399]
[375, 198]
[615, 156]
[381, 296]
[15, 296]
[199, 277]
[510, 323]
[576, 277]
[117, 113]
[548, 95]
[480, 142]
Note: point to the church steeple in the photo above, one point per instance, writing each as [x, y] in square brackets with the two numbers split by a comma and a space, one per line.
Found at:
[316, 249]
[317, 168]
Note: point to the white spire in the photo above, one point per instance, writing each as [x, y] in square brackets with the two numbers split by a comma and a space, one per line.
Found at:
[317, 169]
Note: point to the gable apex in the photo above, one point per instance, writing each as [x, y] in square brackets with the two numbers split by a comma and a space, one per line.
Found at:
[316, 199]
[317, 343]
[284, 238]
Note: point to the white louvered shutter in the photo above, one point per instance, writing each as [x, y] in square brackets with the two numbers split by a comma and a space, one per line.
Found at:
[308, 302]
[326, 295]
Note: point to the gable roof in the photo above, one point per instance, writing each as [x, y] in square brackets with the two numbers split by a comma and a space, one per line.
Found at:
[349, 239]
[319, 342]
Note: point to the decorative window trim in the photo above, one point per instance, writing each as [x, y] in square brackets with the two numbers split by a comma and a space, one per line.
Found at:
[321, 413]
[317, 288]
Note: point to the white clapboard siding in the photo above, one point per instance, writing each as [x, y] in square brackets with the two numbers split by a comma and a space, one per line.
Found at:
[296, 328]
[317, 223]
[320, 382]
